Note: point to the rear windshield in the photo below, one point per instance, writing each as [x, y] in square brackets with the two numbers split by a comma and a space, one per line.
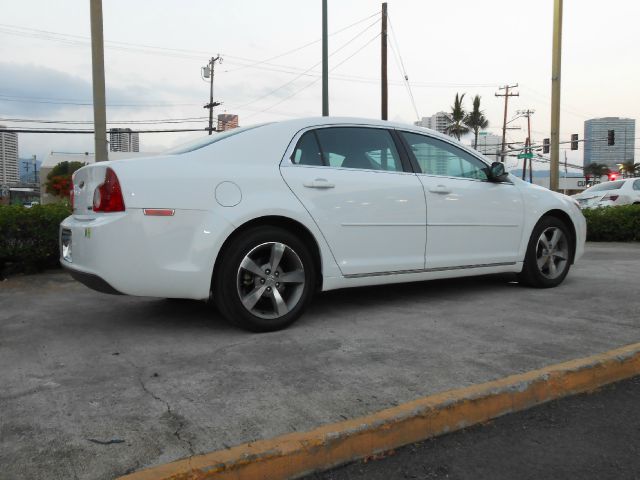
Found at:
[209, 139]
[606, 186]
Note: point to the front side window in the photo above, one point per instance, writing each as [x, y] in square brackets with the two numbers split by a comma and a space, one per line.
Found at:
[436, 157]
[357, 147]
[636, 185]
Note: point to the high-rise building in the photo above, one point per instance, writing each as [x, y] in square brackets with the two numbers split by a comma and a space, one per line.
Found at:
[488, 144]
[227, 121]
[123, 140]
[8, 158]
[596, 149]
[437, 121]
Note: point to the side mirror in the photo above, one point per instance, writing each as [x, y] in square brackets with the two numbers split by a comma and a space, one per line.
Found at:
[497, 172]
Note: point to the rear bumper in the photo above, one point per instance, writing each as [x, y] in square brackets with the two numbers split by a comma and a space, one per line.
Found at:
[92, 281]
[134, 254]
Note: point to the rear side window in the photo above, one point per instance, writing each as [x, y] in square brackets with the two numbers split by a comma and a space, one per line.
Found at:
[307, 151]
[603, 187]
[360, 148]
[636, 185]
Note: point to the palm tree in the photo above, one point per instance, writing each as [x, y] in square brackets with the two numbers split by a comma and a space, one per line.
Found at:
[596, 170]
[630, 169]
[476, 120]
[456, 127]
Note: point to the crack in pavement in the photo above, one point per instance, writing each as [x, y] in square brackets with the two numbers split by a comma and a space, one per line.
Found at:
[172, 415]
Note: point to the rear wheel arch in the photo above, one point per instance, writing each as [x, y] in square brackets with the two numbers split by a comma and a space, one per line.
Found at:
[286, 223]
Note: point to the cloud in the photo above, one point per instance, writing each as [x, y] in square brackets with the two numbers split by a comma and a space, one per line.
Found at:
[45, 86]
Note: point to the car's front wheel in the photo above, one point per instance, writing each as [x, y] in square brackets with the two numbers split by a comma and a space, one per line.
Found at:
[265, 279]
[548, 256]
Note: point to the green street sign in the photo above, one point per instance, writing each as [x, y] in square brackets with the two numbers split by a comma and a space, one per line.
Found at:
[525, 155]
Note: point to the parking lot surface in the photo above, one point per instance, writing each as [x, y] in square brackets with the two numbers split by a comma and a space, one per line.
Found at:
[93, 386]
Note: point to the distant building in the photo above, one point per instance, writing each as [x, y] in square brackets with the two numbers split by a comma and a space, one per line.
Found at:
[227, 121]
[596, 149]
[123, 140]
[8, 158]
[437, 121]
[488, 144]
[29, 169]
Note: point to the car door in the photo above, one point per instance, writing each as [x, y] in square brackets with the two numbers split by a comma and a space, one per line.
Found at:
[368, 205]
[471, 221]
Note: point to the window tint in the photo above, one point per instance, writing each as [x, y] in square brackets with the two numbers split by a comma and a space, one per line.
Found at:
[636, 185]
[208, 140]
[355, 147]
[307, 151]
[436, 157]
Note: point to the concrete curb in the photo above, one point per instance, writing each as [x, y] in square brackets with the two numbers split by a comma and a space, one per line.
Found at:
[296, 454]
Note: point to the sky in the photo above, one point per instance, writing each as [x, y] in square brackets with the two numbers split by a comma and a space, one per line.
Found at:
[271, 55]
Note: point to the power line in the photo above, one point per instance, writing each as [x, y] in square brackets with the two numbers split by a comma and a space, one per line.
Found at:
[64, 130]
[316, 80]
[271, 92]
[400, 64]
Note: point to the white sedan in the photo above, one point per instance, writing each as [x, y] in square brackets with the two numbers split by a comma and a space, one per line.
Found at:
[261, 218]
[610, 194]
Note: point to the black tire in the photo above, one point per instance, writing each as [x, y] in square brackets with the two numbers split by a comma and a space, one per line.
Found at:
[534, 276]
[231, 281]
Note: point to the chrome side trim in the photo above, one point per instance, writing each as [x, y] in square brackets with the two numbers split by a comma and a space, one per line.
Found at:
[427, 270]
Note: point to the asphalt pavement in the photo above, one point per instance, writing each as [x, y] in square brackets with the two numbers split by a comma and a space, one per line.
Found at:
[93, 386]
[590, 436]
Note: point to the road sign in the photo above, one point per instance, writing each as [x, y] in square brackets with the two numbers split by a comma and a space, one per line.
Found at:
[525, 155]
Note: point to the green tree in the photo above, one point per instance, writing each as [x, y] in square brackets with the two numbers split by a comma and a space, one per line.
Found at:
[59, 178]
[630, 169]
[457, 127]
[476, 120]
[596, 170]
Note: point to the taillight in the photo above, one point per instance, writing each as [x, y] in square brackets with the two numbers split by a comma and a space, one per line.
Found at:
[107, 197]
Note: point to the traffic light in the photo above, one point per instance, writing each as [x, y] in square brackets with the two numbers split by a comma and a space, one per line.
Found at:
[574, 141]
[611, 137]
[545, 145]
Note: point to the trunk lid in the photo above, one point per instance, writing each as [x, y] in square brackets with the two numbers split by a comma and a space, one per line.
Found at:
[85, 182]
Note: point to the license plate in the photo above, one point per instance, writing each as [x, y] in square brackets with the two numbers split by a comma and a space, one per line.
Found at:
[65, 241]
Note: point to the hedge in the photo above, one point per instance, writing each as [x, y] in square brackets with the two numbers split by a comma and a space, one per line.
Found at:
[29, 237]
[613, 224]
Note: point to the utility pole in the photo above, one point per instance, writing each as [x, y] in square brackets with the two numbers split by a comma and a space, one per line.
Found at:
[97, 70]
[556, 64]
[208, 72]
[506, 96]
[527, 113]
[325, 61]
[383, 66]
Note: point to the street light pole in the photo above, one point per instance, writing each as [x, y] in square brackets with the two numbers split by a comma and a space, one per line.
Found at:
[556, 64]
[325, 61]
[97, 65]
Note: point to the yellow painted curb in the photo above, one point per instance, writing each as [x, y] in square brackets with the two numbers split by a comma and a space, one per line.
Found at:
[296, 454]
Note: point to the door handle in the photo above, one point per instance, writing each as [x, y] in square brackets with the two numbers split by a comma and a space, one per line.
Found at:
[319, 183]
[442, 189]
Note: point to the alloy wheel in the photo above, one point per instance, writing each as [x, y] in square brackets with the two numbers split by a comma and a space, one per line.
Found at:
[270, 280]
[552, 253]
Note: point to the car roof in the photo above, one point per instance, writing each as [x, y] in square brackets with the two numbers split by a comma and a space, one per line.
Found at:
[306, 122]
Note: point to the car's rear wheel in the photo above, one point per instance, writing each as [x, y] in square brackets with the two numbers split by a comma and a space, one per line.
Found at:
[549, 254]
[265, 279]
